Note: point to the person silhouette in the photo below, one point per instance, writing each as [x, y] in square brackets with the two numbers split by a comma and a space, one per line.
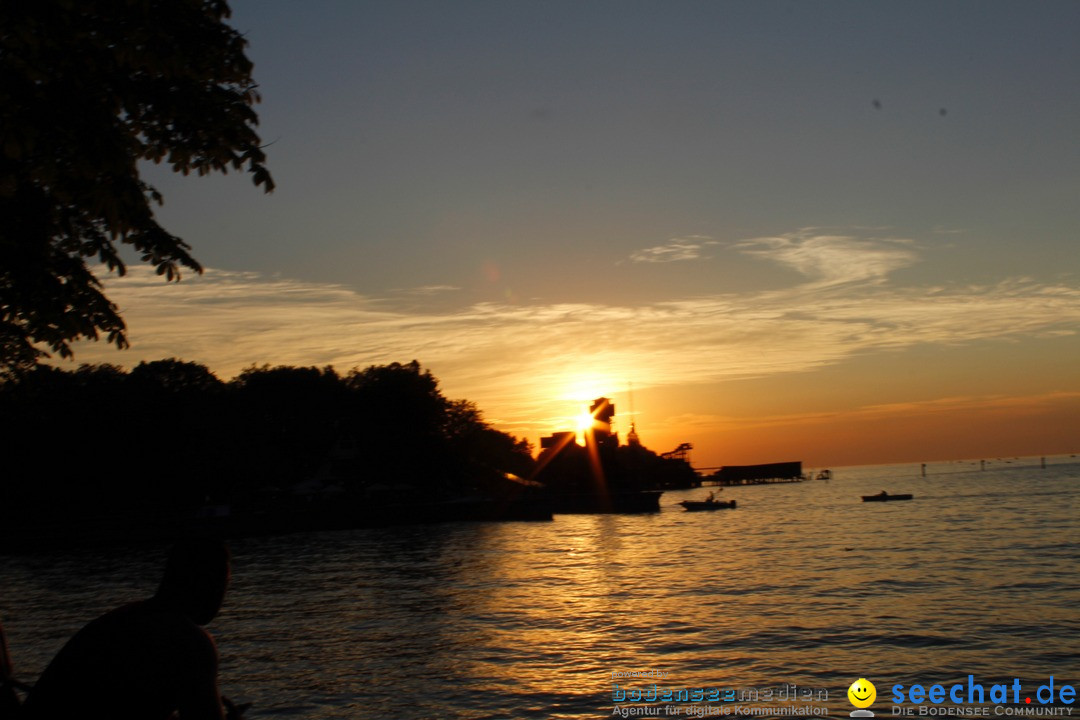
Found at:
[148, 659]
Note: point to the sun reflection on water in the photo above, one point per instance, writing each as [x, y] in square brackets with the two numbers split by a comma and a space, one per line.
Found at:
[801, 583]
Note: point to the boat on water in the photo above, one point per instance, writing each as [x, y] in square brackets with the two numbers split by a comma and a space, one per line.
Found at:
[885, 497]
[709, 503]
[693, 505]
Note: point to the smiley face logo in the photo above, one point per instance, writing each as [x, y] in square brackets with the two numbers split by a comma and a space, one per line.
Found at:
[862, 693]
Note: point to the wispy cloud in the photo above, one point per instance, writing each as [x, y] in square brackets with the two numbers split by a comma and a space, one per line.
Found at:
[424, 290]
[942, 230]
[834, 259]
[519, 361]
[674, 250]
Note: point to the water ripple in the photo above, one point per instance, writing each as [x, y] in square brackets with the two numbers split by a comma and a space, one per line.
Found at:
[802, 583]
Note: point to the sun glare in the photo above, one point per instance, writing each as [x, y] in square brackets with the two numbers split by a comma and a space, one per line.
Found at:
[585, 423]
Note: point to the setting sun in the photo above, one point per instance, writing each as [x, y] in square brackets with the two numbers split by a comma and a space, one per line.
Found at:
[585, 423]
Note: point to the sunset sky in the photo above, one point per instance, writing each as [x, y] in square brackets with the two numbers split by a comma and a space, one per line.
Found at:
[836, 232]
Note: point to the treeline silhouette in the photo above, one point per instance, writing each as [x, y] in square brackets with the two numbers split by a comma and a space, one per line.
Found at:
[169, 437]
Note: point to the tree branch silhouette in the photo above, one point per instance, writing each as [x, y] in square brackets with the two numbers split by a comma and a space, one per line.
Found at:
[88, 90]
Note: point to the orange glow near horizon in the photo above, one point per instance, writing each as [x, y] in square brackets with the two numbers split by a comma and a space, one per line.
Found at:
[953, 374]
[946, 429]
[928, 431]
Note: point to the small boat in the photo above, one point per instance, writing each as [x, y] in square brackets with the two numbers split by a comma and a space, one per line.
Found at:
[885, 497]
[694, 505]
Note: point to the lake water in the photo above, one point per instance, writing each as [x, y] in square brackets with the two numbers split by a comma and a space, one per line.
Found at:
[802, 584]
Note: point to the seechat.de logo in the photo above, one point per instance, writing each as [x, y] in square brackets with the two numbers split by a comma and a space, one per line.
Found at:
[1051, 698]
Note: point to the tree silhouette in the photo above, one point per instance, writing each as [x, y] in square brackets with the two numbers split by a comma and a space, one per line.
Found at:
[175, 376]
[168, 439]
[89, 89]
